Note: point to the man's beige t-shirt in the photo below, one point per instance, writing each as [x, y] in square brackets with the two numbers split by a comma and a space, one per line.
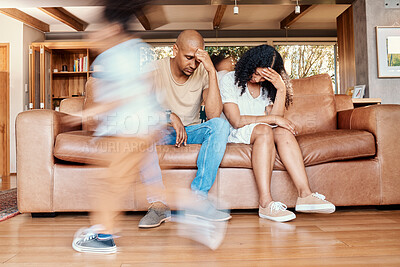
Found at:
[182, 99]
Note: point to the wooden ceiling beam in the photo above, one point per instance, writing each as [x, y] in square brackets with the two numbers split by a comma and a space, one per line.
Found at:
[77, 3]
[143, 20]
[293, 17]
[25, 18]
[218, 16]
[65, 17]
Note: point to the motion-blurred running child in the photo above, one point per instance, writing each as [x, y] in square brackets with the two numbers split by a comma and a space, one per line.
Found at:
[129, 120]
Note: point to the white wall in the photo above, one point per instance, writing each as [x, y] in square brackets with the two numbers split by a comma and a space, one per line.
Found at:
[367, 15]
[11, 32]
[19, 37]
[377, 15]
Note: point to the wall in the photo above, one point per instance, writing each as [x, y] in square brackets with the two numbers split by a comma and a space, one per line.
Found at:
[11, 32]
[377, 15]
[19, 36]
[367, 15]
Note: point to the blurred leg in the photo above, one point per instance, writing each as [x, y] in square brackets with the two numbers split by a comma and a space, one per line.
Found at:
[125, 161]
[150, 174]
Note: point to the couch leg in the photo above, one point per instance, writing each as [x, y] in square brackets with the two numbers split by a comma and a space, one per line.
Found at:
[43, 214]
[388, 207]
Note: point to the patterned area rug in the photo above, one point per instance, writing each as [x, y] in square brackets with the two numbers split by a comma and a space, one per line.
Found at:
[8, 204]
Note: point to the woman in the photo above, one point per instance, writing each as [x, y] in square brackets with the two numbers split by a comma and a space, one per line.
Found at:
[255, 96]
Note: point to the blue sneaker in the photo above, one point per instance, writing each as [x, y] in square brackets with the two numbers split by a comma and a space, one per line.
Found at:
[88, 240]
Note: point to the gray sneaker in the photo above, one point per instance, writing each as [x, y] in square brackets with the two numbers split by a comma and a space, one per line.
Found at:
[206, 210]
[155, 216]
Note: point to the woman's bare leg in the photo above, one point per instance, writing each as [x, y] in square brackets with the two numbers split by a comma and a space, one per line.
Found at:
[290, 154]
[263, 152]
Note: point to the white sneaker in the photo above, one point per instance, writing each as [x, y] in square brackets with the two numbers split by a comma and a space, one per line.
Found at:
[314, 203]
[276, 211]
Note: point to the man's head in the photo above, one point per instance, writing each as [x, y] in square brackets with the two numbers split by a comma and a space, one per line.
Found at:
[223, 63]
[184, 51]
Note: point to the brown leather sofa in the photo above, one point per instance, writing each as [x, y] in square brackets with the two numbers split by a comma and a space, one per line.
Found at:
[351, 155]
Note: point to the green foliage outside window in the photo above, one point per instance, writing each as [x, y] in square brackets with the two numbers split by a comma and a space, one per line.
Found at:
[234, 51]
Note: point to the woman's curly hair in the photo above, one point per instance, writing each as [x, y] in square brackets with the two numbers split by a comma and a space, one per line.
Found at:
[263, 56]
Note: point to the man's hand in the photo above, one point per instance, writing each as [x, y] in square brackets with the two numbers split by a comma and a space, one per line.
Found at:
[275, 78]
[203, 57]
[285, 123]
[181, 135]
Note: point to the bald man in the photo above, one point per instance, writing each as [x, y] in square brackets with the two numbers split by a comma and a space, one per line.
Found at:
[184, 81]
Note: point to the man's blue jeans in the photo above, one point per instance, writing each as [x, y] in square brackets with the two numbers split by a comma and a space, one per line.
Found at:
[213, 136]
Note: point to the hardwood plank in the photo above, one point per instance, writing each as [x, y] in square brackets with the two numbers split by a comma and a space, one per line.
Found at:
[194, 253]
[4, 256]
[25, 18]
[386, 261]
[358, 227]
[344, 238]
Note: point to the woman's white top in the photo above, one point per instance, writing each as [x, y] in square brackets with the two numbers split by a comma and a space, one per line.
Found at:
[247, 104]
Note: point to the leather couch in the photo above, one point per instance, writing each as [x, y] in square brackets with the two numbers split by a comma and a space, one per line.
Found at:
[352, 156]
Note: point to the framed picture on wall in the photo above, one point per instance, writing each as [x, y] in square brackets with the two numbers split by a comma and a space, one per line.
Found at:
[388, 50]
[358, 91]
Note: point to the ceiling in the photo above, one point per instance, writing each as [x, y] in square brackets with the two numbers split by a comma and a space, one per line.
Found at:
[175, 15]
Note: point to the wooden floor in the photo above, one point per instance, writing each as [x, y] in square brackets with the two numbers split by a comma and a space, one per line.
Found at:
[346, 238]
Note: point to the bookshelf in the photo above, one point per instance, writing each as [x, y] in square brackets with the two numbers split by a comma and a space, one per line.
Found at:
[54, 72]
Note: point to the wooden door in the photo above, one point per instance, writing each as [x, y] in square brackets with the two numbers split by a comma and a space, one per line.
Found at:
[4, 112]
[34, 77]
[45, 77]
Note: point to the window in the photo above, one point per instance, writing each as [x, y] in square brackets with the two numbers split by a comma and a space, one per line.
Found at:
[307, 60]
[301, 60]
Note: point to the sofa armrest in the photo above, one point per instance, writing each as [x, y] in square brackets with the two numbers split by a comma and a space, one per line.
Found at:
[343, 102]
[383, 122]
[36, 131]
[72, 106]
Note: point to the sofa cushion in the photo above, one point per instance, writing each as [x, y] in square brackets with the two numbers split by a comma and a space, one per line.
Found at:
[316, 148]
[313, 109]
